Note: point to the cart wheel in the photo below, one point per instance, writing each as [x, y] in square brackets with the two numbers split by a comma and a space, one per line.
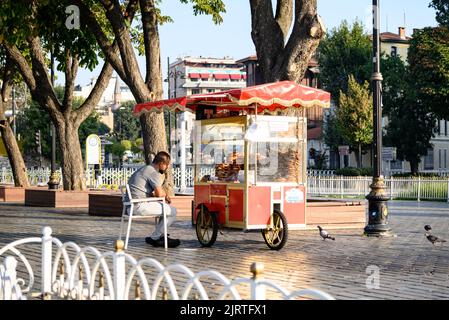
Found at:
[276, 237]
[206, 227]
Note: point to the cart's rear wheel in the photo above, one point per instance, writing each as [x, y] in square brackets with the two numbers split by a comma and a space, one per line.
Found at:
[206, 227]
[276, 237]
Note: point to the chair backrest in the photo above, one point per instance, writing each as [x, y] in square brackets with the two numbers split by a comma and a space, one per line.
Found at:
[126, 193]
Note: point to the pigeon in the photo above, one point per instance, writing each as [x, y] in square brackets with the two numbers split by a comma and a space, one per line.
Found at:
[324, 234]
[427, 227]
[433, 239]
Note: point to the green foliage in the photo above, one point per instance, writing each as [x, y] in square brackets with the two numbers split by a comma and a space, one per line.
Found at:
[352, 172]
[137, 146]
[331, 133]
[429, 68]
[410, 121]
[355, 113]
[126, 144]
[209, 7]
[346, 50]
[442, 7]
[126, 126]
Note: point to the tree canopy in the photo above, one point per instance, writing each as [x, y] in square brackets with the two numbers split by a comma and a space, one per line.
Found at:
[442, 7]
[429, 68]
[345, 51]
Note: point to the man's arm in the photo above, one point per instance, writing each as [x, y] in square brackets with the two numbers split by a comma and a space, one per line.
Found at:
[159, 192]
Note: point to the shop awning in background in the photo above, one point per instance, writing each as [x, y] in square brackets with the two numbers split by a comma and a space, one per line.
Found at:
[236, 76]
[269, 97]
[221, 76]
[194, 75]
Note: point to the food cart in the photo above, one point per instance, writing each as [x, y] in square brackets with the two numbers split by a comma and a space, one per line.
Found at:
[250, 161]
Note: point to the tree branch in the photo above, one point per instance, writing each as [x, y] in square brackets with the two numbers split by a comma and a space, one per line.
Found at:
[22, 64]
[110, 51]
[72, 63]
[7, 79]
[152, 46]
[284, 15]
[95, 95]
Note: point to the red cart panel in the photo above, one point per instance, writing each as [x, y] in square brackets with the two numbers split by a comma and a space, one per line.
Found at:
[259, 205]
[295, 205]
[236, 198]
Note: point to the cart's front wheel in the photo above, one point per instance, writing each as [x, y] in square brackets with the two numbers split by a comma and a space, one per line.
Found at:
[275, 237]
[206, 227]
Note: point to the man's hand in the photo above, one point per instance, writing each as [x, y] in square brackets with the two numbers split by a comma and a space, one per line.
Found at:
[167, 199]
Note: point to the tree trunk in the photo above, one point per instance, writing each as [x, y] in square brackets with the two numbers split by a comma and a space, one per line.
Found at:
[72, 164]
[414, 166]
[18, 167]
[280, 59]
[359, 157]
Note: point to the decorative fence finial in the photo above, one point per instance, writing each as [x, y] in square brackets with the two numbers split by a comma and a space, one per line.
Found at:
[119, 245]
[257, 269]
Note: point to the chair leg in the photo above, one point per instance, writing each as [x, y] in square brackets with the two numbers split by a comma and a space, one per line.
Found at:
[164, 216]
[121, 223]
[129, 226]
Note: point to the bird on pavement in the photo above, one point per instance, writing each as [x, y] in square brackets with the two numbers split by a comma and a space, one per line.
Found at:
[324, 234]
[427, 227]
[434, 239]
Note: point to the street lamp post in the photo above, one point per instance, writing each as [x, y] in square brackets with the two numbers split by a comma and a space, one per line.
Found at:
[377, 198]
[53, 183]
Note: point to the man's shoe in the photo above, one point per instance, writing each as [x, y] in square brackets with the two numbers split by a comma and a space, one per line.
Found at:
[171, 243]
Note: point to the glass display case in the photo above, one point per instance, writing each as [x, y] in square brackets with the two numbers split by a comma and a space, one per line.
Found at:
[274, 147]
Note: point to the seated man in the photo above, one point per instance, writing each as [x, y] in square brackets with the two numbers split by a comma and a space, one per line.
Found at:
[147, 182]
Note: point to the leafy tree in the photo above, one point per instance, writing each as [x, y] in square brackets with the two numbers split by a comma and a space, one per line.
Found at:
[118, 50]
[410, 122]
[442, 7]
[285, 40]
[355, 116]
[346, 51]
[42, 29]
[428, 58]
[8, 75]
[126, 126]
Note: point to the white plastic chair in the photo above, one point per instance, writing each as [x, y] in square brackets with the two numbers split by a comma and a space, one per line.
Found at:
[128, 213]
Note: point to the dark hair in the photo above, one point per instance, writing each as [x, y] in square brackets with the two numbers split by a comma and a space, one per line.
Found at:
[161, 157]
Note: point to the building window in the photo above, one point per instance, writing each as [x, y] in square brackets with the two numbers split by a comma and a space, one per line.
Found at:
[394, 51]
[445, 128]
[439, 159]
[210, 90]
[428, 160]
[445, 159]
[195, 91]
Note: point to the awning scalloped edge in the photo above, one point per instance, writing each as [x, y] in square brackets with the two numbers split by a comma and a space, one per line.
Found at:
[284, 103]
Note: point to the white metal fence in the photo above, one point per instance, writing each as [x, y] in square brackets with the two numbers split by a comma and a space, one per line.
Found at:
[87, 274]
[319, 183]
[410, 188]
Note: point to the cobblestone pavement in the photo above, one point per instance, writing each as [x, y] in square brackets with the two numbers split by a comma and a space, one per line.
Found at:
[410, 267]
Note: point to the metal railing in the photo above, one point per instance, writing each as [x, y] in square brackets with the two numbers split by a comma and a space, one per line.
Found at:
[87, 274]
[410, 188]
[320, 183]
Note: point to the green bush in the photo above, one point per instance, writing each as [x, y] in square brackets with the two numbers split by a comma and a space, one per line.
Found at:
[420, 174]
[351, 172]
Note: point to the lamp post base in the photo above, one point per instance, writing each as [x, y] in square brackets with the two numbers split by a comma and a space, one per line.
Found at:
[53, 183]
[377, 210]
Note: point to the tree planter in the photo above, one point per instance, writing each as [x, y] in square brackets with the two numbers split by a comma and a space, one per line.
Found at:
[35, 197]
[332, 214]
[110, 204]
[10, 193]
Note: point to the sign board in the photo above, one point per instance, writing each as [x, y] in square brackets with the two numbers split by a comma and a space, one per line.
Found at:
[343, 150]
[388, 153]
[294, 196]
[93, 149]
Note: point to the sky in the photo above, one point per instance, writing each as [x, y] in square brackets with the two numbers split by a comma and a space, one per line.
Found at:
[198, 36]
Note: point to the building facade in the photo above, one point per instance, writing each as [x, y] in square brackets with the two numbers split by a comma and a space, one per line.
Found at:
[115, 93]
[198, 75]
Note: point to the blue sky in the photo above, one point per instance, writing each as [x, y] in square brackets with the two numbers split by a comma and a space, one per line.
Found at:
[190, 35]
